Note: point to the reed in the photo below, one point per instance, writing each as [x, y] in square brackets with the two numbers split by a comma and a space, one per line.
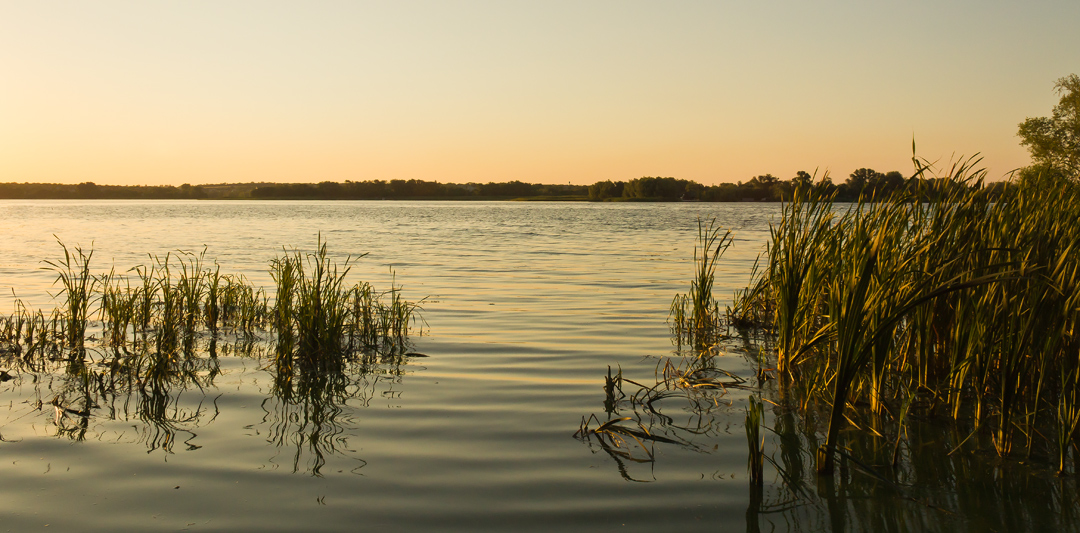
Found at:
[117, 308]
[321, 320]
[146, 296]
[73, 273]
[796, 278]
[154, 318]
[695, 317]
[27, 337]
[212, 305]
[169, 307]
[756, 458]
[969, 298]
[243, 307]
[311, 309]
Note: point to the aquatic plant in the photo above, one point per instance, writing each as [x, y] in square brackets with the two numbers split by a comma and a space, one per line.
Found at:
[971, 298]
[117, 308]
[756, 457]
[635, 420]
[154, 319]
[73, 273]
[314, 308]
[695, 317]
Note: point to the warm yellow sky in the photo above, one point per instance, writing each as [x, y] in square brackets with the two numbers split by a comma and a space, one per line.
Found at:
[142, 92]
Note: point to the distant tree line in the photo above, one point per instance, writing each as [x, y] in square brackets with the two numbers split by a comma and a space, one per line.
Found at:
[766, 188]
[327, 190]
[402, 189]
[91, 190]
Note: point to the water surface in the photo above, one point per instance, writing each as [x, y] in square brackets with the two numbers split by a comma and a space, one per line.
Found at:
[529, 305]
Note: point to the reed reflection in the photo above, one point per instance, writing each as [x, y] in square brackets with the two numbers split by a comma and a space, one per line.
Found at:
[146, 385]
[637, 415]
[311, 414]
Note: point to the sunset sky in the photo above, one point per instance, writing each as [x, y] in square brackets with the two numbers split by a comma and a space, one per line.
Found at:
[576, 91]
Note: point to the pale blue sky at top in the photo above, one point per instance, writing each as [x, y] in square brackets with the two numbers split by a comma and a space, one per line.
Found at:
[543, 92]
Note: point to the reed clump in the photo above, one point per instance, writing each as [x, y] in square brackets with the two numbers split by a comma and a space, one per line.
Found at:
[154, 317]
[320, 319]
[964, 306]
[695, 317]
[73, 273]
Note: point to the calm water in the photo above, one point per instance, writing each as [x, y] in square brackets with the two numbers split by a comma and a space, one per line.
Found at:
[528, 306]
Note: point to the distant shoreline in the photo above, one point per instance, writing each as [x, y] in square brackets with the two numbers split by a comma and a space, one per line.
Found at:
[767, 188]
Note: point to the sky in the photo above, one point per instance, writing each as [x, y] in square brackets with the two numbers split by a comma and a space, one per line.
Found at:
[148, 93]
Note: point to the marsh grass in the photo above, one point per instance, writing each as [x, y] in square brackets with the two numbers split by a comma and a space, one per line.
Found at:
[165, 324]
[695, 317]
[155, 318]
[77, 285]
[964, 307]
[755, 442]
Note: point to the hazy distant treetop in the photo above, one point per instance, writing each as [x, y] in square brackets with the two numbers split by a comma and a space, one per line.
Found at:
[1054, 141]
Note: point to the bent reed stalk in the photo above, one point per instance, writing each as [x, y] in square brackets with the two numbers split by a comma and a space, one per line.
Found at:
[968, 301]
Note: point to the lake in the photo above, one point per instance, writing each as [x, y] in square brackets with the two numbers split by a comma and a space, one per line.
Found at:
[529, 306]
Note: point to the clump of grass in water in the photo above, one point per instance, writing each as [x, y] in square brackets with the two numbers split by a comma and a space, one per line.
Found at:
[695, 316]
[154, 324]
[967, 298]
[28, 337]
[73, 273]
[117, 308]
[311, 309]
[321, 320]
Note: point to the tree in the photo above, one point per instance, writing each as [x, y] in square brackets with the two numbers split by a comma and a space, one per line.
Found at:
[863, 177]
[654, 188]
[802, 179]
[883, 184]
[1054, 142]
[605, 189]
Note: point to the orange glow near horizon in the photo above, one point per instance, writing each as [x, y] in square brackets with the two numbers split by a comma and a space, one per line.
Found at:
[128, 94]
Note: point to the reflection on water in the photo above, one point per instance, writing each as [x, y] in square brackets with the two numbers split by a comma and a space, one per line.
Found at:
[306, 414]
[685, 405]
[167, 397]
[914, 479]
[531, 305]
[144, 386]
[905, 482]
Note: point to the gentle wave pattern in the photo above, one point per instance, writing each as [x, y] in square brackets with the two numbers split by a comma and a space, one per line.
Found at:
[528, 306]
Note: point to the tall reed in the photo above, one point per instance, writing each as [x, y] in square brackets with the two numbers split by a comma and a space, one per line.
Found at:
[695, 317]
[154, 318]
[73, 273]
[942, 288]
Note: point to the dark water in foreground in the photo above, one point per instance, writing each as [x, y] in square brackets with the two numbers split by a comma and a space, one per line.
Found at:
[529, 305]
